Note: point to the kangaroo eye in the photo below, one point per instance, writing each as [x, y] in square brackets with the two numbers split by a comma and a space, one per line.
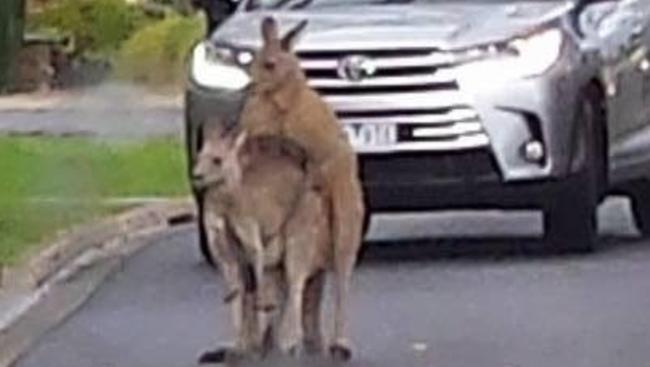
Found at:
[216, 161]
[269, 64]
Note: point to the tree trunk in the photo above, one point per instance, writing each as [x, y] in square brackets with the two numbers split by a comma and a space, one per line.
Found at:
[12, 14]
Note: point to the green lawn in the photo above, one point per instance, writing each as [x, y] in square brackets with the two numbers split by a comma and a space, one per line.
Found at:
[47, 184]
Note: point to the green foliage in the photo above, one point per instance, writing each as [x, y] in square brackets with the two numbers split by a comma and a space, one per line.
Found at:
[156, 54]
[98, 26]
[147, 42]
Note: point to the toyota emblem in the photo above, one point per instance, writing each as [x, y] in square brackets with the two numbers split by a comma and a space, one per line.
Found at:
[355, 68]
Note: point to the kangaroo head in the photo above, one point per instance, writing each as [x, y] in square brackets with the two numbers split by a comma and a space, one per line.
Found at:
[275, 66]
[218, 162]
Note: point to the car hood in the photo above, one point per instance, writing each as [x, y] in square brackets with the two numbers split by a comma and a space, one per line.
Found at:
[444, 26]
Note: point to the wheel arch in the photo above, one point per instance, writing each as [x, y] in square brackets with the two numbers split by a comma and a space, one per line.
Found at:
[597, 87]
[595, 91]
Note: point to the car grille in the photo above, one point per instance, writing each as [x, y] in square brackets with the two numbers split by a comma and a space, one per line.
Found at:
[414, 89]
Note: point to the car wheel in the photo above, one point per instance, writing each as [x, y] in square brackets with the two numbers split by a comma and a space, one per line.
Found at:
[570, 216]
[570, 222]
[640, 198]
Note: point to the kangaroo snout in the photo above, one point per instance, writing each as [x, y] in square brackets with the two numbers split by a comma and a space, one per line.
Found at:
[198, 173]
[198, 179]
[200, 176]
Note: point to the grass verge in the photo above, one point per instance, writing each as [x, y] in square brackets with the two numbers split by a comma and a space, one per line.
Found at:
[48, 184]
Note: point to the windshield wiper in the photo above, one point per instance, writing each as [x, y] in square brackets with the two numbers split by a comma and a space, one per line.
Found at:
[298, 5]
[281, 3]
[301, 4]
[390, 2]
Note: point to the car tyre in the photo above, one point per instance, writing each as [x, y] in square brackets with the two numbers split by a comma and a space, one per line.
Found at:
[640, 199]
[570, 222]
[204, 242]
[570, 219]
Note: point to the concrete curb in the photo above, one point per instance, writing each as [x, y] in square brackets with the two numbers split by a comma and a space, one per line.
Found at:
[50, 286]
[69, 245]
[32, 102]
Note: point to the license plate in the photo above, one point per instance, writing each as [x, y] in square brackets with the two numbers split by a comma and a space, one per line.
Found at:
[368, 137]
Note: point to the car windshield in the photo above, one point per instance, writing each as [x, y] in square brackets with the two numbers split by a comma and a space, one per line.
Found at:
[299, 4]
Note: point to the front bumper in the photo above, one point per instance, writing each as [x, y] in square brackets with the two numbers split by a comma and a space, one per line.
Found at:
[514, 112]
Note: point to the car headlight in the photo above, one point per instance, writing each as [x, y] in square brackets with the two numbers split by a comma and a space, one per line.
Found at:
[220, 67]
[519, 58]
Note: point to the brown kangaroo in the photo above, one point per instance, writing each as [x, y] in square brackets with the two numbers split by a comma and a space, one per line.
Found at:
[261, 213]
[282, 104]
[246, 207]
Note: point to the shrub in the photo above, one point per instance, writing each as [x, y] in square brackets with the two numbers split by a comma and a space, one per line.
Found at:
[155, 55]
[98, 26]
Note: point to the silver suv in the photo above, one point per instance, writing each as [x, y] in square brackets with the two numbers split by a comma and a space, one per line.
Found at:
[466, 103]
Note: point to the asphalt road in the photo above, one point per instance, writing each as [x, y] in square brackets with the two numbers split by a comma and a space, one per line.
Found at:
[450, 302]
[113, 123]
[108, 111]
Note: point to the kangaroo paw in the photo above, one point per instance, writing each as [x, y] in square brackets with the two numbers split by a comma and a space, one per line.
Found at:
[340, 353]
[266, 308]
[231, 296]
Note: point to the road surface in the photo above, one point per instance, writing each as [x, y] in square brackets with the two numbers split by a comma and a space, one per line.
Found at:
[451, 302]
[108, 111]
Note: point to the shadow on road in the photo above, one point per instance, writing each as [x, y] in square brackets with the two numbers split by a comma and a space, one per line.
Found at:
[486, 249]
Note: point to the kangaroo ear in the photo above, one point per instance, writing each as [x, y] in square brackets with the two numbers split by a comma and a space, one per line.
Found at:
[289, 39]
[240, 140]
[270, 32]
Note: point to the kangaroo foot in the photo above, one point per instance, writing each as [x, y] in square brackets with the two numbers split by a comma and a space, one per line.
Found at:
[295, 351]
[220, 355]
[340, 353]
